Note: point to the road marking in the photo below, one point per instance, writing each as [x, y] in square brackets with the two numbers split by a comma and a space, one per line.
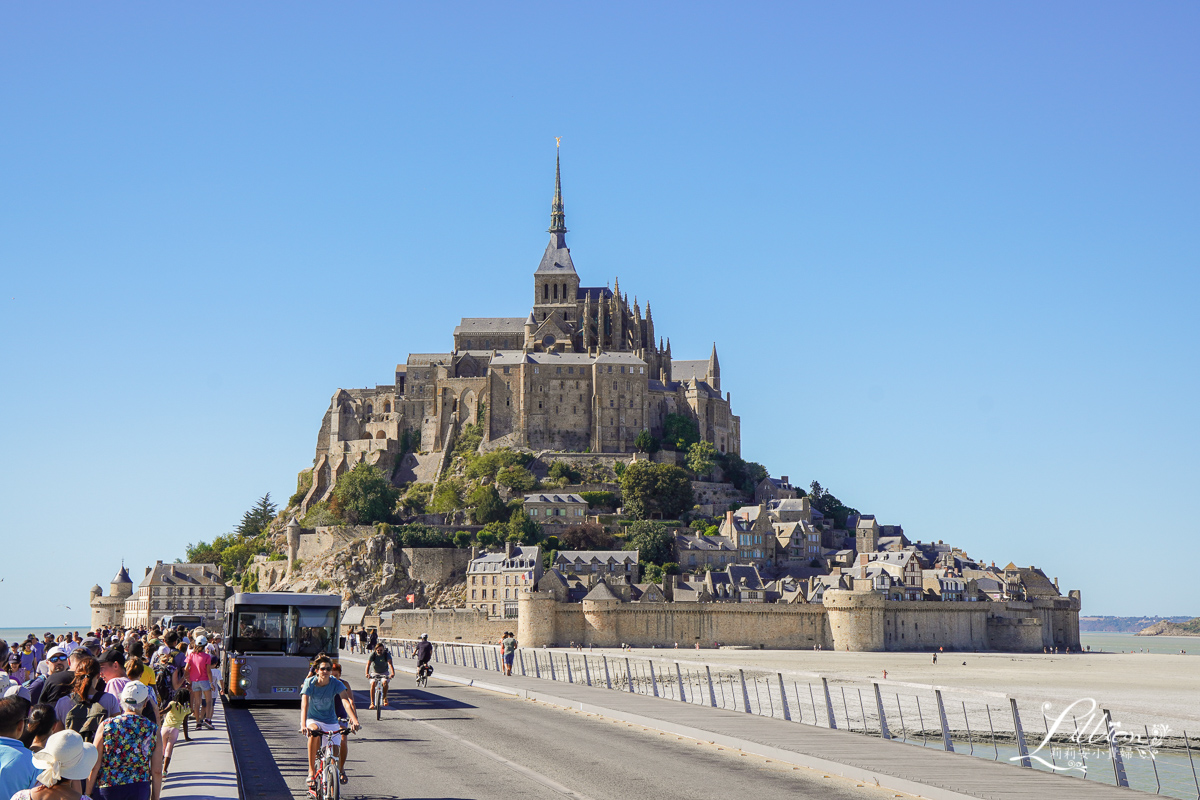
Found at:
[536, 777]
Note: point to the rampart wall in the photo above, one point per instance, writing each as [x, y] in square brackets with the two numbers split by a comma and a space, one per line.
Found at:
[446, 625]
[848, 620]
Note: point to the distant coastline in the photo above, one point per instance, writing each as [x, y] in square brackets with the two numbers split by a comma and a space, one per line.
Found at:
[1123, 624]
[1165, 628]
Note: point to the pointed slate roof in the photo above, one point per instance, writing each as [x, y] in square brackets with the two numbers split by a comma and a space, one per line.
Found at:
[601, 592]
[557, 258]
[122, 576]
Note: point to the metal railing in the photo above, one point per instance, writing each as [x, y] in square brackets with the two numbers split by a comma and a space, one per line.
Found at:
[978, 723]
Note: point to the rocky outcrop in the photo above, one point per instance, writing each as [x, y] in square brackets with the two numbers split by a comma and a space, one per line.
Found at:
[374, 571]
[1165, 628]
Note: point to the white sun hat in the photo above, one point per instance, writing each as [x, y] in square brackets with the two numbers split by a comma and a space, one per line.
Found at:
[66, 755]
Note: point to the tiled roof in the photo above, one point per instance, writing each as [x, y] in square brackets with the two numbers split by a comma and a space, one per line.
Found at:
[554, 498]
[491, 325]
[598, 556]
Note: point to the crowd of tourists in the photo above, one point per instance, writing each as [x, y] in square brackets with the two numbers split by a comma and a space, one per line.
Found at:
[100, 714]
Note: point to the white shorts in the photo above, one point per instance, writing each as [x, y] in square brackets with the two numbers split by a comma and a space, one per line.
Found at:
[326, 727]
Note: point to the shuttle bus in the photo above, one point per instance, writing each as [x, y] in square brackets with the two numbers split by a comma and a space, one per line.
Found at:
[270, 640]
[188, 621]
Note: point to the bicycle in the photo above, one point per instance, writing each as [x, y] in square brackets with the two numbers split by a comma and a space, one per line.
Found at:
[377, 691]
[423, 673]
[328, 775]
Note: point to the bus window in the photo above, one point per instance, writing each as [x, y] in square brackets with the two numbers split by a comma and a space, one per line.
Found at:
[317, 630]
[259, 629]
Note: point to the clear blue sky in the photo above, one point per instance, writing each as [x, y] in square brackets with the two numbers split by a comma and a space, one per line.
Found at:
[948, 251]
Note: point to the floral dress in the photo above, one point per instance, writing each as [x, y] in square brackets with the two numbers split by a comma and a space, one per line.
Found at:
[128, 744]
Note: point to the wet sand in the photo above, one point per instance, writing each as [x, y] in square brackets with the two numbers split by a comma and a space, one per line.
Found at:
[1139, 688]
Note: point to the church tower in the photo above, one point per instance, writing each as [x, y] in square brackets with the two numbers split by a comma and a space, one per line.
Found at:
[555, 283]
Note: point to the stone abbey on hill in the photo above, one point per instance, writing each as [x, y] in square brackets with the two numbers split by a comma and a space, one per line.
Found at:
[584, 371]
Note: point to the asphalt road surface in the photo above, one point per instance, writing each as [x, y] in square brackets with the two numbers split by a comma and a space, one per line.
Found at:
[451, 741]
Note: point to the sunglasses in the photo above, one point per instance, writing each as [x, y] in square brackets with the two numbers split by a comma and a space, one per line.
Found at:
[324, 669]
[56, 659]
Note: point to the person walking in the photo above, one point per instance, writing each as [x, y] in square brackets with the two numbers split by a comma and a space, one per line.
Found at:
[175, 717]
[39, 724]
[88, 704]
[58, 682]
[509, 646]
[129, 761]
[199, 673]
[65, 762]
[17, 771]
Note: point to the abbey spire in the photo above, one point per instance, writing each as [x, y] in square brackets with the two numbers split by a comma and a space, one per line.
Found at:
[558, 219]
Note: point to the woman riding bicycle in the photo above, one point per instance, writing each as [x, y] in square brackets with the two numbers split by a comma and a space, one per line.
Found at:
[317, 712]
[380, 668]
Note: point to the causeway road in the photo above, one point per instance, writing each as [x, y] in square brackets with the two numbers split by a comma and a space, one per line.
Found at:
[454, 741]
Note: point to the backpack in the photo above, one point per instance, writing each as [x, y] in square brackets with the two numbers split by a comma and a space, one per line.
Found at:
[163, 679]
[84, 716]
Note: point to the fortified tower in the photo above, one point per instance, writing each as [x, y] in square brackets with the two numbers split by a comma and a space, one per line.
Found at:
[855, 619]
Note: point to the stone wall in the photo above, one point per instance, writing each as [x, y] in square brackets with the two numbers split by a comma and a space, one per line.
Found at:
[319, 542]
[848, 620]
[435, 564]
[929, 625]
[470, 626]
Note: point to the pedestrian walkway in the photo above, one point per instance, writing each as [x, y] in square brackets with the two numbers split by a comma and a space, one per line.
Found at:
[203, 767]
[924, 772]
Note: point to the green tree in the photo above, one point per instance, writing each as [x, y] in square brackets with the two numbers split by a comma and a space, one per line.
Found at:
[680, 431]
[364, 495]
[655, 489]
[446, 497]
[203, 553]
[235, 557]
[830, 506]
[416, 498]
[486, 505]
[701, 458]
[256, 520]
[523, 530]
[651, 573]
[563, 470]
[653, 541]
[517, 478]
[491, 534]
[646, 442]
[416, 534]
[587, 536]
[551, 542]
[462, 540]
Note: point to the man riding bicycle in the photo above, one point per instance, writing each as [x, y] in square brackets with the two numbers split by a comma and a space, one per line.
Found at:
[380, 668]
[318, 714]
[424, 653]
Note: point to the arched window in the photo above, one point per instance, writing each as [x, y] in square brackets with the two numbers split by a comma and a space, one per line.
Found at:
[387, 406]
[369, 408]
[545, 291]
[556, 291]
[380, 435]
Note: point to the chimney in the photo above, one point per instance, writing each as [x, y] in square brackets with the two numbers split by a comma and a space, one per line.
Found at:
[784, 479]
[862, 558]
[729, 519]
[148, 570]
[1056, 584]
[508, 549]
[474, 552]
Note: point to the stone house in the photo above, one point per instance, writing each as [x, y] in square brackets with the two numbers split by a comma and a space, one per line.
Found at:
[694, 551]
[904, 566]
[494, 580]
[751, 531]
[169, 589]
[560, 509]
[796, 543]
[774, 489]
[612, 565]
[941, 584]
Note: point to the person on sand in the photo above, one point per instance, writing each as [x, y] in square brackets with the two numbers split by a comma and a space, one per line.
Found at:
[935, 658]
[885, 674]
[65, 762]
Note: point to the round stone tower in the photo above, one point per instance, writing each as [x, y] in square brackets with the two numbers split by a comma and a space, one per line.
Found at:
[855, 619]
[599, 610]
[535, 618]
[293, 543]
[121, 585]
